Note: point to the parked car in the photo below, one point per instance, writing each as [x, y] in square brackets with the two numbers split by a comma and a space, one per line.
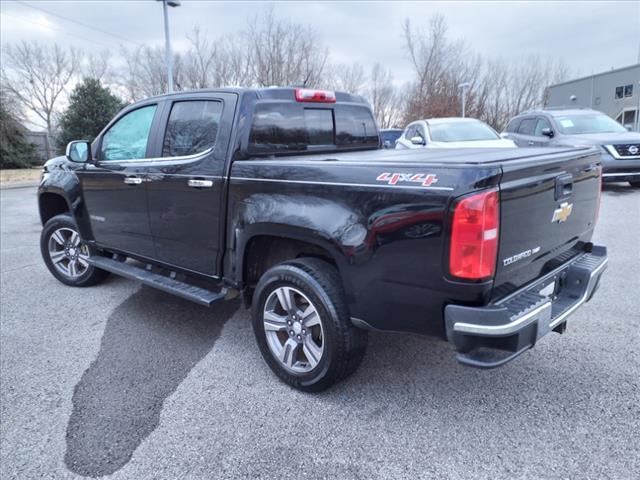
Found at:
[451, 133]
[283, 197]
[389, 137]
[619, 148]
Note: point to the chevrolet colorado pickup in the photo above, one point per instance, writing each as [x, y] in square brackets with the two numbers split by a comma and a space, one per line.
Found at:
[284, 197]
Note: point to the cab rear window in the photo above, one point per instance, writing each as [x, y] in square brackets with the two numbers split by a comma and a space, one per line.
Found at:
[280, 128]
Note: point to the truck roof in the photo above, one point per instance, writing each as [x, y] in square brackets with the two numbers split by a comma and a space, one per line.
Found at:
[275, 93]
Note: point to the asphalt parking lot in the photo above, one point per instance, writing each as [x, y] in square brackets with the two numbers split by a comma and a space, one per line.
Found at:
[123, 381]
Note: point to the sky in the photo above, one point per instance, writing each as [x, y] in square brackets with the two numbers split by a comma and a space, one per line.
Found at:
[589, 37]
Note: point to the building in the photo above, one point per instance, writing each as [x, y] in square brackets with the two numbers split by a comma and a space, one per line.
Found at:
[616, 93]
[43, 142]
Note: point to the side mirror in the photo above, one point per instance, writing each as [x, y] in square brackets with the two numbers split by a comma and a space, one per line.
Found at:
[547, 132]
[417, 140]
[79, 151]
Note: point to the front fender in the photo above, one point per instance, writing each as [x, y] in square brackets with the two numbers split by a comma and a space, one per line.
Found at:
[60, 178]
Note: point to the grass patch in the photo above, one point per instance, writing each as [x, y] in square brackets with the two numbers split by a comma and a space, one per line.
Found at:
[13, 175]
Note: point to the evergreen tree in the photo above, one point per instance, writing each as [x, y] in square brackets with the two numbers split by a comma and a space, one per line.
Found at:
[91, 107]
[15, 150]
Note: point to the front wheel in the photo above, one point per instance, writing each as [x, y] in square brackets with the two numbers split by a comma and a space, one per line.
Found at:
[302, 326]
[66, 255]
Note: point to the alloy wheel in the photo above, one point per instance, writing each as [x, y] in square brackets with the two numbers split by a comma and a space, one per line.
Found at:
[293, 329]
[67, 253]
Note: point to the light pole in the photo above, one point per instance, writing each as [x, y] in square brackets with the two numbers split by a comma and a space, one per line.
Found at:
[463, 86]
[167, 40]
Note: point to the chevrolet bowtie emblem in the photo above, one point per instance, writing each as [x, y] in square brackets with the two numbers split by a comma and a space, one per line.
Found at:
[561, 213]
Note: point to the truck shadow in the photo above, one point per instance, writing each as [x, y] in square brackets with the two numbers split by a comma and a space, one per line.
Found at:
[618, 189]
[150, 344]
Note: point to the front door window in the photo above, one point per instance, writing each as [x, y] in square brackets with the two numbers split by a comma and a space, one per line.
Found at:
[127, 138]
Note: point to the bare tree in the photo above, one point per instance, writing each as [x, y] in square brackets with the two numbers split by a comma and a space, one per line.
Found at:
[98, 65]
[200, 61]
[145, 72]
[346, 77]
[37, 76]
[219, 63]
[284, 53]
[497, 90]
[440, 65]
[386, 100]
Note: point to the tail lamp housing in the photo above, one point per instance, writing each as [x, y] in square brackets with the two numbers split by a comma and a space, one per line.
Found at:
[474, 236]
[315, 96]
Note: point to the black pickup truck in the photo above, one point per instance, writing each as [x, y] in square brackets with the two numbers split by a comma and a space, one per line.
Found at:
[284, 197]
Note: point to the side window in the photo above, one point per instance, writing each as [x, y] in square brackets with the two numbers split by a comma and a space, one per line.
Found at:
[127, 138]
[412, 131]
[192, 127]
[540, 125]
[512, 127]
[355, 127]
[420, 132]
[619, 92]
[527, 126]
[628, 90]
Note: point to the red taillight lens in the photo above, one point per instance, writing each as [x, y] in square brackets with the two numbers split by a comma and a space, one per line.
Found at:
[474, 236]
[317, 96]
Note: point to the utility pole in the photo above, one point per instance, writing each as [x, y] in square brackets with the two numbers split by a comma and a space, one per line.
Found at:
[167, 40]
[463, 87]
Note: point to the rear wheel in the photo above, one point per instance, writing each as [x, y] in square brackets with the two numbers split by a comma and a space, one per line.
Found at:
[635, 184]
[302, 325]
[66, 255]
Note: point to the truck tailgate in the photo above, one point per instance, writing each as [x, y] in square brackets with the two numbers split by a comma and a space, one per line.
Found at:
[548, 212]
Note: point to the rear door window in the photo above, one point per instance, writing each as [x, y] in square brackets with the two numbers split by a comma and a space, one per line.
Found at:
[192, 127]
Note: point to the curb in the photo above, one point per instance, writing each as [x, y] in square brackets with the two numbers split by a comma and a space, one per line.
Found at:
[14, 185]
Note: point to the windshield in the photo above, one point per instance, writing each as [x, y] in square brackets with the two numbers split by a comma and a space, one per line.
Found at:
[579, 124]
[461, 132]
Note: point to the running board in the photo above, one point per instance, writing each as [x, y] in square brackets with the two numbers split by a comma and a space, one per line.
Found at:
[170, 285]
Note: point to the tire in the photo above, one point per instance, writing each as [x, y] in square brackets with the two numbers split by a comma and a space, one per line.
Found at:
[635, 184]
[64, 253]
[331, 348]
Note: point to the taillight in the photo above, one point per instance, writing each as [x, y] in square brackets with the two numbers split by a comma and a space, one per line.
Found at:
[315, 96]
[474, 236]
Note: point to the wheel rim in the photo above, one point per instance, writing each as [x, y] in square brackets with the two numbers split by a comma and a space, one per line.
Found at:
[68, 254]
[293, 329]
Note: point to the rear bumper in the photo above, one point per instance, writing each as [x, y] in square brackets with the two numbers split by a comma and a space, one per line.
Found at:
[490, 336]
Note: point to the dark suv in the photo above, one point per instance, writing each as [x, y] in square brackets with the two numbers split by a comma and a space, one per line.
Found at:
[619, 148]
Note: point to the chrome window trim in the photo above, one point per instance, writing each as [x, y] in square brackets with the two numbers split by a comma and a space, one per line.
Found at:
[183, 158]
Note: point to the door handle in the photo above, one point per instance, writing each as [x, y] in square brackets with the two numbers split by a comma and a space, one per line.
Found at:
[132, 180]
[531, 143]
[197, 183]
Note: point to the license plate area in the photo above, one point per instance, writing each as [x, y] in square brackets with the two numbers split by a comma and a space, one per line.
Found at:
[549, 289]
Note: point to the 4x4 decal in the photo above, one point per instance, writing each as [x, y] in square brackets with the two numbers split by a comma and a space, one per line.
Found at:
[426, 180]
